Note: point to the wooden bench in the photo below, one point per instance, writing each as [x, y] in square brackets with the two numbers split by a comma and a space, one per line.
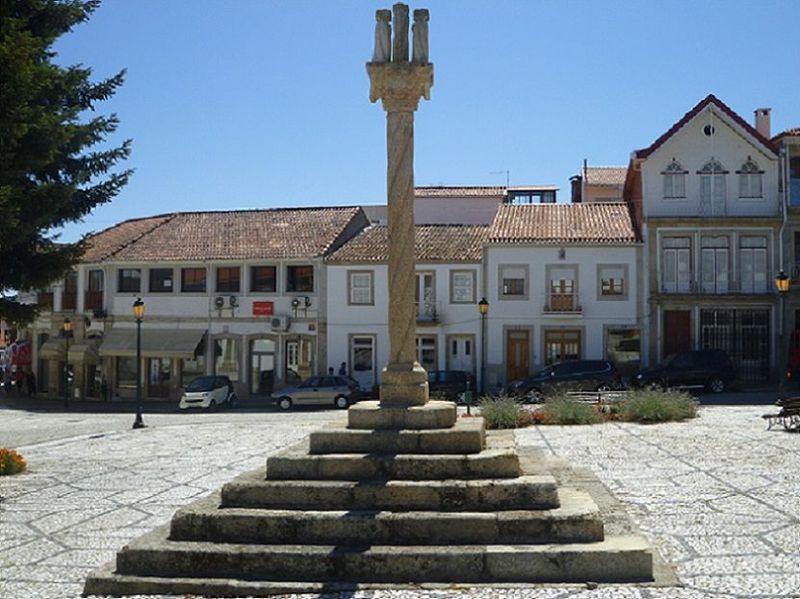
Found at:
[789, 416]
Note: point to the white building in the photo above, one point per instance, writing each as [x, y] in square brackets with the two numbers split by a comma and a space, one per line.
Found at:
[448, 282]
[562, 283]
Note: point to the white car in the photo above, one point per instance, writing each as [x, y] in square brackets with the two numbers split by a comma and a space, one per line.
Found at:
[208, 392]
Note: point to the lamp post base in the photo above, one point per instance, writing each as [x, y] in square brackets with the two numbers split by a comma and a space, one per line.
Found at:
[139, 423]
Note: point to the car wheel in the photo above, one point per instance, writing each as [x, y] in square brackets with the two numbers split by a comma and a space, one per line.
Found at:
[656, 386]
[341, 402]
[285, 403]
[212, 405]
[716, 385]
[603, 388]
[533, 396]
[232, 400]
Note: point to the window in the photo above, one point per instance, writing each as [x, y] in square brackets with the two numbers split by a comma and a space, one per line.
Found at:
[426, 352]
[160, 280]
[130, 280]
[360, 288]
[263, 279]
[712, 188]
[676, 265]
[193, 280]
[753, 260]
[513, 282]
[425, 296]
[562, 289]
[561, 345]
[612, 281]
[126, 372]
[714, 264]
[462, 286]
[749, 180]
[674, 180]
[228, 279]
[300, 278]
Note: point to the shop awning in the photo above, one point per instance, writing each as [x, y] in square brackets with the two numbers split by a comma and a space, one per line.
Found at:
[85, 350]
[156, 343]
[53, 349]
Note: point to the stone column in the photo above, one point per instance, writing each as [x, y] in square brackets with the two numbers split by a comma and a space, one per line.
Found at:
[400, 84]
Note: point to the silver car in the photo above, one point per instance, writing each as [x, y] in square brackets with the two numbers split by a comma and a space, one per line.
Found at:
[339, 391]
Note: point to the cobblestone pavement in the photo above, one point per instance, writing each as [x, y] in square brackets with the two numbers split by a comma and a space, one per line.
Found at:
[718, 496]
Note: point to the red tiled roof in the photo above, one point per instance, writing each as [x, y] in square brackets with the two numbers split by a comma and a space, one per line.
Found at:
[793, 132]
[605, 175]
[584, 224]
[458, 192]
[233, 235]
[110, 241]
[434, 243]
[710, 99]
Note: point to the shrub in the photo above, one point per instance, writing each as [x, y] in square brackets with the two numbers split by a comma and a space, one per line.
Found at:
[558, 409]
[500, 412]
[649, 406]
[11, 462]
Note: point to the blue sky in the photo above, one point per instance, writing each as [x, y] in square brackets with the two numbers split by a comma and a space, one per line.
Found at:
[262, 104]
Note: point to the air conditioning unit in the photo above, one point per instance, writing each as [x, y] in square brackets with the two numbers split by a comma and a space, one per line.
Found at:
[280, 323]
[219, 302]
[233, 301]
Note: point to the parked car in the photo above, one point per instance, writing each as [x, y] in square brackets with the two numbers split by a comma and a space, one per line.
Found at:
[572, 375]
[450, 384]
[339, 391]
[712, 369]
[209, 392]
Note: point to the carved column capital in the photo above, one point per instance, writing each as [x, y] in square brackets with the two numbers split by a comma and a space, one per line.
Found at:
[399, 84]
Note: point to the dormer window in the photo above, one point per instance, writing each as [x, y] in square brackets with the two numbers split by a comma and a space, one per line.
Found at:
[749, 180]
[674, 180]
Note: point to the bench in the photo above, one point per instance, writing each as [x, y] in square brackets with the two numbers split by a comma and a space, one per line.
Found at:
[789, 416]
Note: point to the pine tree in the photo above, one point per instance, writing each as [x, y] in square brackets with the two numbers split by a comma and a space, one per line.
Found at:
[51, 169]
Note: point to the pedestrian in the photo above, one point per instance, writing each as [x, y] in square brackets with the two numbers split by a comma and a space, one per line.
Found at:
[30, 383]
[343, 369]
[330, 370]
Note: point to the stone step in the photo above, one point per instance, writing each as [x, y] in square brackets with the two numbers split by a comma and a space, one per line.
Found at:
[373, 415]
[524, 492]
[466, 436]
[616, 559]
[490, 463]
[577, 520]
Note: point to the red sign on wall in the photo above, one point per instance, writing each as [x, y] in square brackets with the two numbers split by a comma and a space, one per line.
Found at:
[262, 308]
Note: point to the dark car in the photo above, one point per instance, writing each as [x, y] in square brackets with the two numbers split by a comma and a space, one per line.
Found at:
[450, 384]
[572, 375]
[712, 369]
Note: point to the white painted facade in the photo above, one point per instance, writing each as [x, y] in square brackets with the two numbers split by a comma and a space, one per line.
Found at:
[537, 315]
[448, 327]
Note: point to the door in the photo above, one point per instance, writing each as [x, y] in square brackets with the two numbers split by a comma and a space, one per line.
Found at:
[362, 357]
[160, 376]
[425, 297]
[460, 354]
[517, 355]
[676, 332]
[561, 345]
[262, 366]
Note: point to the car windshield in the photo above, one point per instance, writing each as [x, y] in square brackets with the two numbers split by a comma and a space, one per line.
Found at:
[203, 383]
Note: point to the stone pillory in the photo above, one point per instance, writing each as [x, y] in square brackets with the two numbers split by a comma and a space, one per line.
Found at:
[399, 84]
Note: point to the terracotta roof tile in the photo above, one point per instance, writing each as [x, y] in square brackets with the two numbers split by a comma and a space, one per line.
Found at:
[710, 99]
[458, 192]
[793, 132]
[585, 224]
[105, 244]
[434, 243]
[236, 235]
[605, 175]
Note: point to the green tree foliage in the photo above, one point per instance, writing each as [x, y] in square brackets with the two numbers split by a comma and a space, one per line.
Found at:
[54, 165]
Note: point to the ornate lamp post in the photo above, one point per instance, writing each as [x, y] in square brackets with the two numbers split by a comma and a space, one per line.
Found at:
[782, 282]
[138, 314]
[67, 327]
[483, 308]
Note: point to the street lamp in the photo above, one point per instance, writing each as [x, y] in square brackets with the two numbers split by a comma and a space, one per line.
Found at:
[483, 308]
[138, 314]
[782, 284]
[67, 327]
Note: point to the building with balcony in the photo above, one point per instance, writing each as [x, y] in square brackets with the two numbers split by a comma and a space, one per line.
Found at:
[705, 196]
[448, 285]
[238, 293]
[562, 283]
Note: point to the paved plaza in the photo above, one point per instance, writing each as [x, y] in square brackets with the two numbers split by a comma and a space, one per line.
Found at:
[717, 496]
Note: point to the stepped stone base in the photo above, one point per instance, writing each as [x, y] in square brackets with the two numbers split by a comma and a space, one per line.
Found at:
[373, 415]
[382, 508]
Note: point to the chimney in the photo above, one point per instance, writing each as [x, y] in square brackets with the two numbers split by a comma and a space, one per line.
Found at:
[577, 184]
[762, 121]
